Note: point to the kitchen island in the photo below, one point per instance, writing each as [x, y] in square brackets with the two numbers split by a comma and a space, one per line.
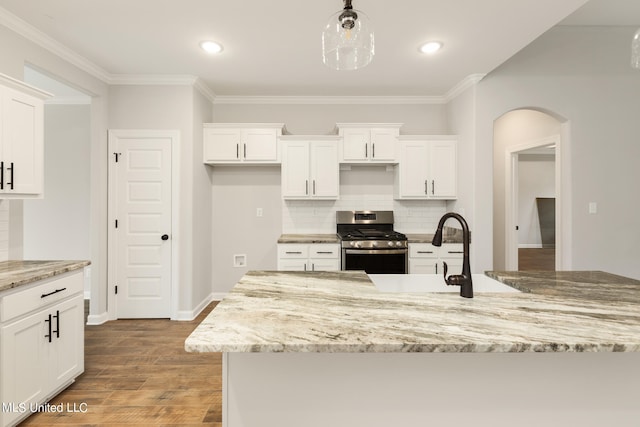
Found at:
[330, 349]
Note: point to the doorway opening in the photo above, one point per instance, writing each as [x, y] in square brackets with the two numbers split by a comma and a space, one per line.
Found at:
[534, 206]
[531, 189]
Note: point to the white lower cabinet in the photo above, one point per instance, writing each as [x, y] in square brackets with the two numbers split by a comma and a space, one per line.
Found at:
[308, 257]
[424, 258]
[41, 344]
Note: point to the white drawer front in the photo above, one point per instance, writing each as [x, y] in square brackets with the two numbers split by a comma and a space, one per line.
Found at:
[49, 291]
[451, 250]
[423, 250]
[293, 251]
[324, 251]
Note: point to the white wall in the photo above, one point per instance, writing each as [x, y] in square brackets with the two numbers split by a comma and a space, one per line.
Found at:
[597, 92]
[536, 178]
[58, 225]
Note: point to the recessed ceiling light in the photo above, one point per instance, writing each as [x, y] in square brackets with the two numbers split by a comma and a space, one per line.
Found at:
[430, 47]
[211, 46]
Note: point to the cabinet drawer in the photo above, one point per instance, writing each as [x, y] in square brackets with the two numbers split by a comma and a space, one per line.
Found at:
[324, 251]
[423, 250]
[451, 250]
[45, 292]
[293, 251]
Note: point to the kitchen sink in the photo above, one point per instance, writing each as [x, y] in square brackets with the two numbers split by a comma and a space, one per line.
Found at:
[434, 283]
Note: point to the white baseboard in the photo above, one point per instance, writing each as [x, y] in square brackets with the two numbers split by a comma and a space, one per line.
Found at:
[97, 319]
[189, 315]
[218, 296]
[529, 245]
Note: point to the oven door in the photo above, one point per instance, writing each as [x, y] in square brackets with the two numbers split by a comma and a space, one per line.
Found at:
[375, 261]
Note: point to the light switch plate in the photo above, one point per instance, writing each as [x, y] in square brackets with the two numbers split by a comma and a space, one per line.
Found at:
[593, 208]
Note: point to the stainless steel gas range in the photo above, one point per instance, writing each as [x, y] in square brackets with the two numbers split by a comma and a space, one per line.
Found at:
[370, 243]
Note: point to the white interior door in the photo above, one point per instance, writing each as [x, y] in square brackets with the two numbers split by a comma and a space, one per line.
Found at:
[142, 235]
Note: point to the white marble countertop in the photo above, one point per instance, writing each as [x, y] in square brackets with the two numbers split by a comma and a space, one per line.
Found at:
[19, 273]
[270, 311]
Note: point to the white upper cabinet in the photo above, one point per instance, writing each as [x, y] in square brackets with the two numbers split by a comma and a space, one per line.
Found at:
[427, 168]
[310, 167]
[242, 143]
[21, 139]
[366, 143]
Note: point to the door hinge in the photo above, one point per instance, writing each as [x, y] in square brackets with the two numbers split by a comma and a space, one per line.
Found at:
[117, 155]
[116, 223]
[116, 289]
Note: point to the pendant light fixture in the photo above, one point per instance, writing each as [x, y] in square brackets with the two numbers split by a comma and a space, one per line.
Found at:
[635, 50]
[347, 40]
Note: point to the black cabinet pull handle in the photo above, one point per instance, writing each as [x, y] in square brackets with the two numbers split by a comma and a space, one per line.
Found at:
[245, 150]
[57, 331]
[10, 184]
[54, 292]
[49, 322]
[294, 252]
[1, 175]
[325, 252]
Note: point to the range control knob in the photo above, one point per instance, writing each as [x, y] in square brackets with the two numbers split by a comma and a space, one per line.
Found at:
[390, 243]
[399, 244]
[374, 244]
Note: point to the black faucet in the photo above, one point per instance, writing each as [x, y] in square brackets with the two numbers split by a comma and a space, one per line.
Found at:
[463, 280]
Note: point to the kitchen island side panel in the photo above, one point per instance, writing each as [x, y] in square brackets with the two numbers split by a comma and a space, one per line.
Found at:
[443, 389]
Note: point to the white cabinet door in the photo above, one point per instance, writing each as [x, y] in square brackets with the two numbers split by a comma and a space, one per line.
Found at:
[310, 169]
[67, 350]
[254, 143]
[259, 145]
[309, 257]
[369, 142]
[355, 144]
[427, 169]
[325, 173]
[423, 266]
[222, 145]
[443, 169]
[321, 264]
[295, 169]
[24, 356]
[383, 145]
[21, 144]
[413, 175]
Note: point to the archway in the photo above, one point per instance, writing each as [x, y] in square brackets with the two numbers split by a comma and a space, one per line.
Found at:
[515, 133]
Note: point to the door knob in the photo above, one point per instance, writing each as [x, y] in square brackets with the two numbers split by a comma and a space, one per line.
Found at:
[165, 237]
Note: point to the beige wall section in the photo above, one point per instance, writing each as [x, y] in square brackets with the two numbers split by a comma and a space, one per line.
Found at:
[321, 119]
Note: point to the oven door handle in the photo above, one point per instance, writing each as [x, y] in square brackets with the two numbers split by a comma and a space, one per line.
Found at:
[375, 251]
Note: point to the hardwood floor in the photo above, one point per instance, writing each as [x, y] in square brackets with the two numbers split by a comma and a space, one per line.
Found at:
[137, 373]
[541, 259]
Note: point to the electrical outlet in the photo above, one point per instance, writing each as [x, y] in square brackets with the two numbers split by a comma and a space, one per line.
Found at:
[593, 208]
[240, 260]
[259, 212]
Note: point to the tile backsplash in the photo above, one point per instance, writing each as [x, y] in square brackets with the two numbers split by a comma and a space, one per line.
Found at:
[319, 216]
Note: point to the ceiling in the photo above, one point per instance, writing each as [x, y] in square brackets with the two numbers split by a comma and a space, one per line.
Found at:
[273, 48]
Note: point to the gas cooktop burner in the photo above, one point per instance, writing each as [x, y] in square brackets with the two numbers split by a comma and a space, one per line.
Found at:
[369, 234]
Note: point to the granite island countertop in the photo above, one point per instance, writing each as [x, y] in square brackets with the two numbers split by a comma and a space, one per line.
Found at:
[19, 273]
[271, 311]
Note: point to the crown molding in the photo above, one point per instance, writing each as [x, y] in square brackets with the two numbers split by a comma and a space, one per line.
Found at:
[469, 81]
[36, 36]
[329, 100]
[153, 79]
[69, 100]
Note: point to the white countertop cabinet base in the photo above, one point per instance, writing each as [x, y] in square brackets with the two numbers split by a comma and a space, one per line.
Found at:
[42, 349]
[308, 257]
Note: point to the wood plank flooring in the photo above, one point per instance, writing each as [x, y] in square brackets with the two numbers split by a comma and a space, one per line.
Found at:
[540, 259]
[137, 373]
